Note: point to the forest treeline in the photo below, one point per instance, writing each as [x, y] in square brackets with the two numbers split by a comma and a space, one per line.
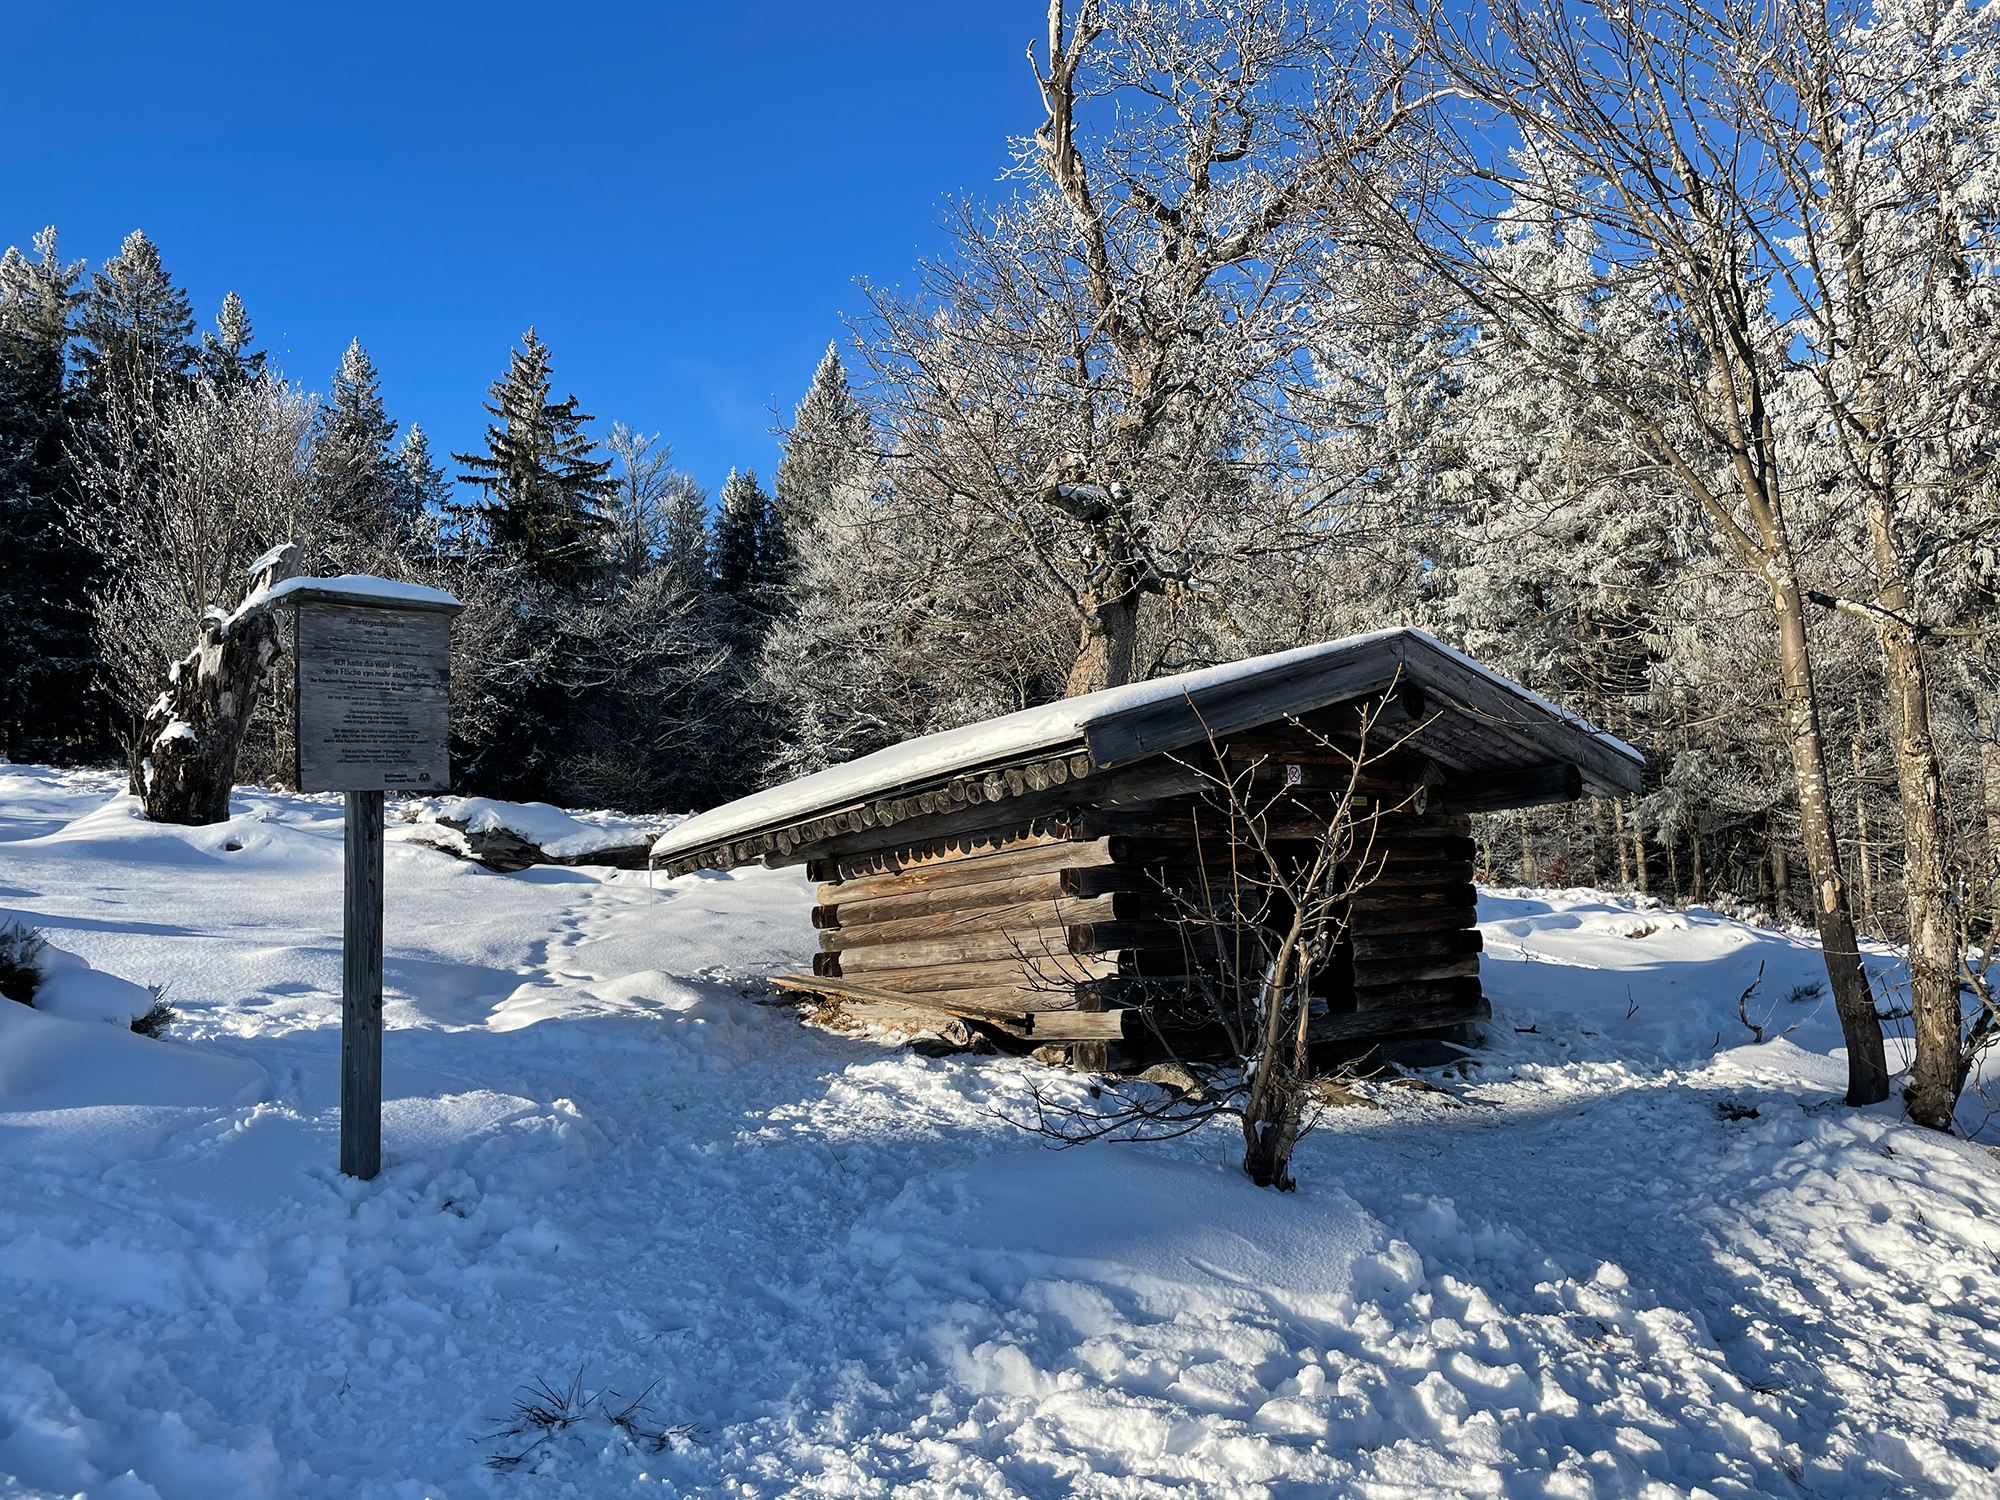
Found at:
[1648, 355]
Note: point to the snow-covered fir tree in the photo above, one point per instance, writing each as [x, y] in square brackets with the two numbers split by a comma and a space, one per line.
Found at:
[546, 492]
[135, 331]
[827, 448]
[226, 355]
[737, 556]
[363, 484]
[47, 656]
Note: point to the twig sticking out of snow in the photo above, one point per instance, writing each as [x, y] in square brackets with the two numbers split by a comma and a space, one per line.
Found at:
[1743, 1010]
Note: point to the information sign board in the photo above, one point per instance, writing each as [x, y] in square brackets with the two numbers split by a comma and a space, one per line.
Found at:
[374, 697]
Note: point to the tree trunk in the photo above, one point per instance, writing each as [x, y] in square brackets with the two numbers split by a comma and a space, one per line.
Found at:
[1861, 831]
[184, 765]
[1109, 646]
[1932, 1096]
[1867, 1064]
[1781, 876]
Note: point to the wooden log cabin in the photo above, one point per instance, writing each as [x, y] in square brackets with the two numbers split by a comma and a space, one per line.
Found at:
[1032, 876]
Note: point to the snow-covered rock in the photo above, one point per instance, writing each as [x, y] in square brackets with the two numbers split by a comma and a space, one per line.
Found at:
[515, 835]
[72, 989]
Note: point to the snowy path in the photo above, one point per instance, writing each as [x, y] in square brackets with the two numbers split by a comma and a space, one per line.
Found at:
[1574, 1278]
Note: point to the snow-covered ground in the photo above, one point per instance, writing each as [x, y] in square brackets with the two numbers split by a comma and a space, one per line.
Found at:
[1586, 1270]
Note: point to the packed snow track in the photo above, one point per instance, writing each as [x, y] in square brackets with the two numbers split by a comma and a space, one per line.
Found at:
[1622, 1253]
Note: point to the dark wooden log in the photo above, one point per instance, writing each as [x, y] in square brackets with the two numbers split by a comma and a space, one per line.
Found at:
[1029, 946]
[361, 989]
[1397, 898]
[1497, 791]
[1375, 973]
[1416, 992]
[1432, 919]
[1434, 875]
[1369, 945]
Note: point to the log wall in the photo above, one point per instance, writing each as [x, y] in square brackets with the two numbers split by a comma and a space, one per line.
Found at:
[1065, 928]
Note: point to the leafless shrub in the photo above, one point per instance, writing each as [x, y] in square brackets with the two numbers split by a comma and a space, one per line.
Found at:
[1265, 916]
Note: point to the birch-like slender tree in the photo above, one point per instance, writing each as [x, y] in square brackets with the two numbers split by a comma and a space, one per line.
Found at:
[1627, 126]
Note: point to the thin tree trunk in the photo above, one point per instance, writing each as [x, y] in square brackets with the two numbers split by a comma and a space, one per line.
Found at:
[1861, 849]
[1639, 850]
[1867, 1062]
[1932, 1097]
[1624, 846]
[1781, 877]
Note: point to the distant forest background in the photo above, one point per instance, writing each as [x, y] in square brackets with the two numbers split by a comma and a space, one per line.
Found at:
[1659, 381]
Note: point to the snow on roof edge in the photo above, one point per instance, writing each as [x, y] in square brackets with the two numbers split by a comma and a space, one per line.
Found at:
[1574, 720]
[1024, 731]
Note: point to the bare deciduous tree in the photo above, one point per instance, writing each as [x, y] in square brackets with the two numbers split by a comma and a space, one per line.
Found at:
[1094, 384]
[182, 491]
[1632, 128]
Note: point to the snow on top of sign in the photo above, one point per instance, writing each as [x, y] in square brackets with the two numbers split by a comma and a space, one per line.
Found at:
[363, 585]
[1032, 729]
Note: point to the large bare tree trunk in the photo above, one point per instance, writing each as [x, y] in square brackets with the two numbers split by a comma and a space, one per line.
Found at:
[1108, 650]
[1867, 1064]
[184, 765]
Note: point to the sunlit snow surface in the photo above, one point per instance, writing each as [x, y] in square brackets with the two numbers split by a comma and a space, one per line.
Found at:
[839, 1263]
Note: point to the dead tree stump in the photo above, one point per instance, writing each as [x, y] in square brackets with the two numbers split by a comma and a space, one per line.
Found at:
[184, 762]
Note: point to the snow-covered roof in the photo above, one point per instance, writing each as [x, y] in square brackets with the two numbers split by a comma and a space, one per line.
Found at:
[1121, 724]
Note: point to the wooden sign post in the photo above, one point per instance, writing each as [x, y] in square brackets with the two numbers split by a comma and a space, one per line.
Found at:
[374, 716]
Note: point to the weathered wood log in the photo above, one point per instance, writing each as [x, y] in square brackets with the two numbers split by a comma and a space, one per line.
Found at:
[1055, 978]
[927, 872]
[1029, 945]
[1371, 945]
[1047, 885]
[1538, 786]
[1398, 898]
[1421, 1015]
[980, 1005]
[1139, 784]
[1419, 992]
[1000, 834]
[1431, 919]
[963, 922]
[1375, 973]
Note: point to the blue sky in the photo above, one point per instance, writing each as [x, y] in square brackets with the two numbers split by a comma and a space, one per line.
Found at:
[678, 196]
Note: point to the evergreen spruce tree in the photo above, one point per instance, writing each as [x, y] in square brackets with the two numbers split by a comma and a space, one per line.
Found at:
[226, 355]
[361, 480]
[48, 709]
[545, 492]
[684, 541]
[736, 556]
[426, 487]
[826, 448]
[135, 330]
